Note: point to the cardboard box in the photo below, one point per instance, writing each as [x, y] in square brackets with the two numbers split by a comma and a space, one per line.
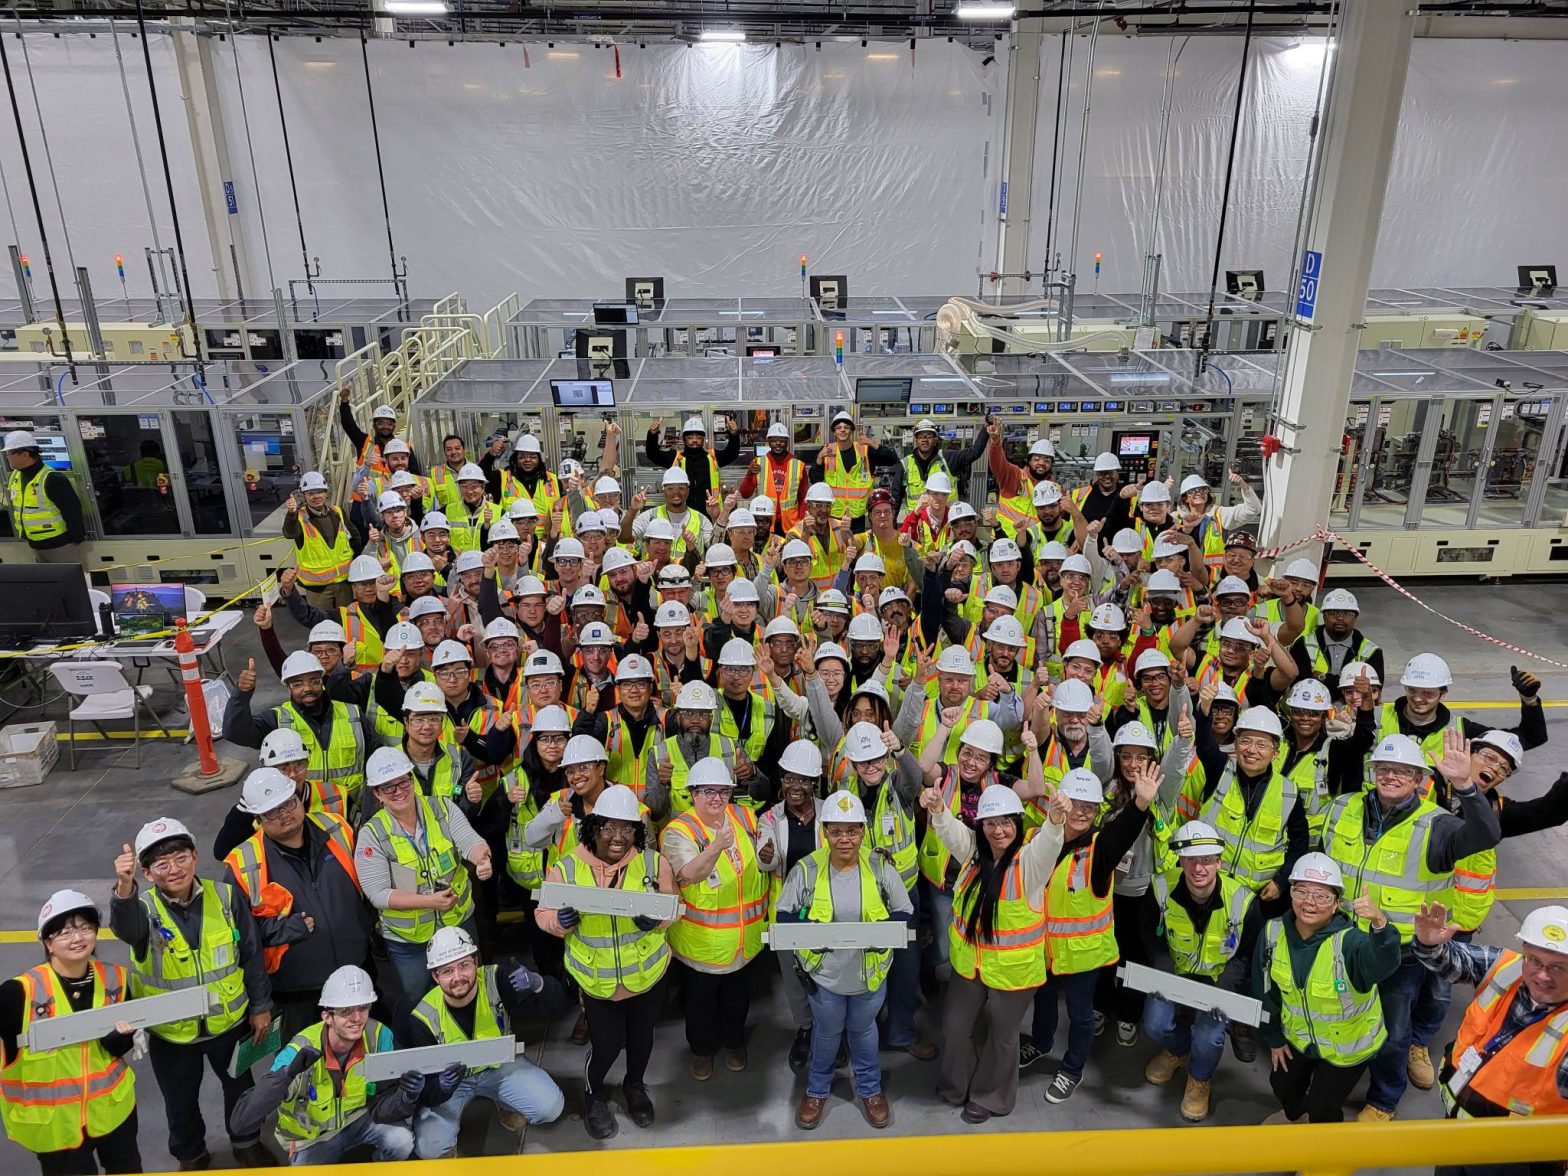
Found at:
[28, 753]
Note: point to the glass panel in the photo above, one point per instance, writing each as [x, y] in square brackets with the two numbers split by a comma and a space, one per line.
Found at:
[209, 500]
[45, 428]
[1461, 435]
[130, 474]
[1395, 437]
[1517, 461]
[270, 456]
[1350, 461]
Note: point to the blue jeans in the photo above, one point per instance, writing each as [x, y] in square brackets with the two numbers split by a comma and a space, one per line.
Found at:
[832, 1018]
[518, 1086]
[1186, 1032]
[1386, 1076]
[1431, 1007]
[903, 985]
[941, 918]
[1078, 991]
[391, 1141]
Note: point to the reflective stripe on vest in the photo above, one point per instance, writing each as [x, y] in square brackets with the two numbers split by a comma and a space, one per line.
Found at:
[314, 1108]
[606, 952]
[817, 907]
[368, 649]
[724, 913]
[172, 964]
[1392, 869]
[1013, 958]
[1345, 1025]
[1310, 776]
[490, 1019]
[36, 515]
[465, 525]
[851, 488]
[318, 562]
[1205, 955]
[1521, 1077]
[440, 865]
[337, 771]
[1254, 844]
[688, 534]
[1079, 933]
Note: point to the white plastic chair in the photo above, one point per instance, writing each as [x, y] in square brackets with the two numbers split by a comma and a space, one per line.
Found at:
[106, 697]
[98, 599]
[195, 603]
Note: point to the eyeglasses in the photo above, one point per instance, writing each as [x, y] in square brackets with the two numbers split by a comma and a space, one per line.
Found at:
[1255, 743]
[315, 680]
[283, 810]
[1153, 675]
[1494, 760]
[452, 673]
[843, 832]
[1537, 964]
[1395, 773]
[356, 1013]
[712, 791]
[551, 737]
[75, 931]
[1314, 896]
[174, 861]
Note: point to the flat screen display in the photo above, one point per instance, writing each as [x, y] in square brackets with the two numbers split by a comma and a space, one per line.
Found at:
[880, 390]
[1136, 445]
[583, 393]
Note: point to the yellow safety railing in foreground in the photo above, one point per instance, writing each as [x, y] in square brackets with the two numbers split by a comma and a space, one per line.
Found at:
[1333, 1149]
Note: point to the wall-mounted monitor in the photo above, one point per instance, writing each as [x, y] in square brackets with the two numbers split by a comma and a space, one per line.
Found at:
[645, 293]
[883, 390]
[582, 393]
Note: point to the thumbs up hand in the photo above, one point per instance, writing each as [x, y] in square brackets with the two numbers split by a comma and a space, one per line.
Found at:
[125, 873]
[247, 678]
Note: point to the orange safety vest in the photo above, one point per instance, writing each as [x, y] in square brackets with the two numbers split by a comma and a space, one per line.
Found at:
[781, 481]
[1521, 1077]
[269, 900]
[371, 457]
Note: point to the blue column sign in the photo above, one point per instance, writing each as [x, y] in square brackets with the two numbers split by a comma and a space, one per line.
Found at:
[1307, 292]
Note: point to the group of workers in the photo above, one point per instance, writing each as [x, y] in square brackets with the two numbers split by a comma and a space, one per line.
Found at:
[1074, 730]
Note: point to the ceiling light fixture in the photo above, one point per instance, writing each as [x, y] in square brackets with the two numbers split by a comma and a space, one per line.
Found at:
[416, 7]
[730, 35]
[984, 11]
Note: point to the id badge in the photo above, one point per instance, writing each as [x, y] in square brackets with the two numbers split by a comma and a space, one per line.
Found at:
[713, 882]
[222, 955]
[887, 824]
[1469, 1062]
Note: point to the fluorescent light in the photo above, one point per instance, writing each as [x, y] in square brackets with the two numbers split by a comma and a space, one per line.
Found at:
[881, 56]
[723, 35]
[415, 7]
[984, 12]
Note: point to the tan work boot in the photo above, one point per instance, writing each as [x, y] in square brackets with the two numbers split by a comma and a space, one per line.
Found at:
[1162, 1067]
[1419, 1067]
[1195, 1101]
[1372, 1114]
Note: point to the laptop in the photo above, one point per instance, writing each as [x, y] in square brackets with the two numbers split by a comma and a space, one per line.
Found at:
[142, 609]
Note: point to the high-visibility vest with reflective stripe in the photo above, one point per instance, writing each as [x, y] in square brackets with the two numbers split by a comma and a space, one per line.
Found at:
[1520, 1078]
[1013, 958]
[670, 749]
[466, 525]
[1475, 889]
[1080, 934]
[443, 487]
[1431, 743]
[1031, 600]
[827, 559]
[934, 857]
[1392, 869]
[1317, 656]
[320, 563]
[687, 535]
[851, 488]
[267, 899]
[566, 838]
[524, 864]
[627, 764]
[724, 913]
[892, 827]
[1210, 535]
[1254, 845]
[386, 728]
[414, 543]
[490, 1017]
[36, 515]
[547, 490]
[172, 964]
[1344, 1024]
[915, 481]
[817, 907]
[368, 649]
[337, 771]
[440, 865]
[759, 724]
[1207, 954]
[1310, 776]
[1210, 670]
[55, 1099]
[605, 952]
[968, 711]
[314, 1107]
[781, 481]
[1015, 513]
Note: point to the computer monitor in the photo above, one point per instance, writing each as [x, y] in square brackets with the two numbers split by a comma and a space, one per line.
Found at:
[647, 293]
[140, 609]
[1246, 284]
[883, 389]
[44, 602]
[615, 314]
[1538, 279]
[600, 346]
[830, 291]
[762, 350]
[582, 393]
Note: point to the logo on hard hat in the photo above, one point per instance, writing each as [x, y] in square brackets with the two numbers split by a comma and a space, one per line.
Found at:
[159, 826]
[1553, 932]
[845, 804]
[1313, 874]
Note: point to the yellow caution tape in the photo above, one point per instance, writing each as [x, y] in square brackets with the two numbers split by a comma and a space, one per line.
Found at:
[197, 555]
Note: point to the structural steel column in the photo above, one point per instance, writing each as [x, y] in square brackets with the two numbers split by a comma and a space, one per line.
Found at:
[1022, 122]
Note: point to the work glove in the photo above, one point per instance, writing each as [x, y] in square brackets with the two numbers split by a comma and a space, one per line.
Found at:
[304, 1059]
[644, 922]
[1526, 683]
[448, 1079]
[522, 980]
[568, 917]
[412, 1083]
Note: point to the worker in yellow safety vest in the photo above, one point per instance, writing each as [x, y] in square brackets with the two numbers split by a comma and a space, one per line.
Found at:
[45, 510]
[324, 543]
[846, 464]
[1014, 484]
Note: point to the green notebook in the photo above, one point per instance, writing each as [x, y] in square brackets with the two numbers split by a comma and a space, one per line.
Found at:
[247, 1053]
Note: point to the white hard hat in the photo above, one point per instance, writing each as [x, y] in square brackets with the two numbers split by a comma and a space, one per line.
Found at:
[1155, 492]
[1426, 670]
[400, 478]
[794, 549]
[364, 567]
[386, 765]
[739, 517]
[1302, 569]
[471, 473]
[984, 735]
[1073, 696]
[1223, 693]
[1260, 718]
[1106, 463]
[1163, 582]
[1163, 550]
[615, 803]
[955, 659]
[1127, 542]
[672, 614]
[528, 443]
[349, 987]
[925, 425]
[872, 689]
[634, 668]
[22, 439]
[326, 633]
[551, 720]
[863, 743]
[1546, 928]
[299, 664]
[710, 771]
[1192, 482]
[1003, 550]
[1006, 630]
[417, 561]
[523, 508]
[1309, 694]
[891, 595]
[160, 830]
[694, 425]
[659, 529]
[1339, 600]
[737, 651]
[450, 653]
[831, 649]
[1319, 868]
[865, 627]
[61, 902]
[697, 696]
[870, 561]
[961, 510]
[265, 789]
[1079, 564]
[1236, 629]
[720, 555]
[383, 412]
[1047, 494]
[435, 521]
[468, 561]
[1085, 649]
[1353, 670]
[1042, 448]
[1399, 749]
[802, 758]
[675, 476]
[568, 548]
[531, 586]
[584, 749]
[591, 522]
[595, 633]
[939, 483]
[673, 575]
[312, 480]
[998, 800]
[778, 429]
[763, 505]
[403, 635]
[606, 485]
[962, 547]
[541, 663]
[588, 595]
[501, 627]
[426, 606]
[1134, 734]
[832, 601]
[1002, 596]
[841, 415]
[781, 627]
[500, 530]
[742, 591]
[1081, 784]
[820, 492]
[283, 746]
[1232, 586]
[843, 808]
[1504, 741]
[1107, 616]
[448, 945]
[424, 698]
[391, 500]
[1150, 659]
[1195, 839]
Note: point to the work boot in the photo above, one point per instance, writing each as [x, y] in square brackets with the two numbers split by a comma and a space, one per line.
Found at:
[254, 1155]
[702, 1067]
[1162, 1067]
[876, 1110]
[1419, 1067]
[1372, 1114]
[599, 1119]
[921, 1051]
[735, 1060]
[638, 1105]
[511, 1120]
[1195, 1101]
[800, 1050]
[808, 1116]
[197, 1163]
[1243, 1042]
